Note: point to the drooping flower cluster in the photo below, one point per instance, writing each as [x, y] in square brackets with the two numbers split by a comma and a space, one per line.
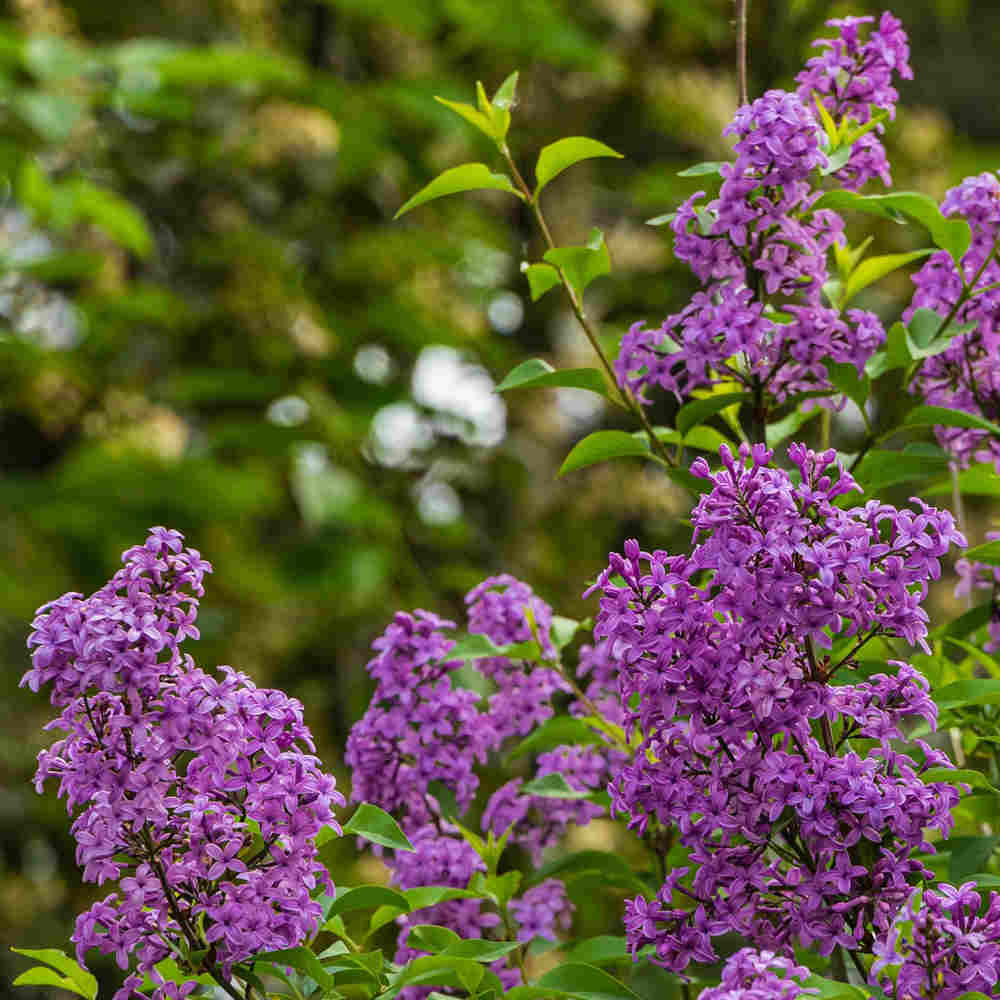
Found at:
[852, 77]
[966, 376]
[759, 975]
[943, 946]
[982, 576]
[793, 835]
[200, 794]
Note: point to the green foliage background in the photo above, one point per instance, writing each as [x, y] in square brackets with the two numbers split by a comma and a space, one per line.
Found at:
[197, 223]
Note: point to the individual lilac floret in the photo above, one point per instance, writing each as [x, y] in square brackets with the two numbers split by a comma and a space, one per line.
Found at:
[199, 794]
[966, 375]
[796, 837]
[759, 975]
[543, 911]
[982, 576]
[850, 78]
[943, 946]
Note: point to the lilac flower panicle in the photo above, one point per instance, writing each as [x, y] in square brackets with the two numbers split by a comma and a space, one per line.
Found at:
[542, 911]
[759, 975]
[722, 658]
[966, 375]
[949, 948]
[200, 795]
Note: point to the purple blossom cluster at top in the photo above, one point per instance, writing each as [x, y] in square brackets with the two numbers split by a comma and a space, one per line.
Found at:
[982, 576]
[760, 247]
[966, 376]
[942, 945]
[853, 76]
[194, 792]
[753, 975]
[792, 835]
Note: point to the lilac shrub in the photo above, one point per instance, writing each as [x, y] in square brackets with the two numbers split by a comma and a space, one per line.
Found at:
[792, 837]
[199, 795]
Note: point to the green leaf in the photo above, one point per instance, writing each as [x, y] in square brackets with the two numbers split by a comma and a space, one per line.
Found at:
[554, 786]
[600, 950]
[556, 157]
[829, 125]
[474, 647]
[564, 630]
[952, 235]
[940, 416]
[467, 177]
[610, 868]
[602, 446]
[970, 691]
[874, 268]
[418, 899]
[438, 970]
[831, 989]
[880, 469]
[558, 731]
[364, 897]
[540, 374]
[587, 982]
[541, 279]
[41, 976]
[968, 856]
[947, 775]
[661, 220]
[112, 213]
[582, 265]
[700, 410]
[378, 826]
[430, 937]
[988, 553]
[52, 116]
[479, 950]
[965, 624]
[835, 160]
[784, 428]
[700, 169]
[977, 480]
[844, 378]
[83, 982]
[505, 96]
[301, 959]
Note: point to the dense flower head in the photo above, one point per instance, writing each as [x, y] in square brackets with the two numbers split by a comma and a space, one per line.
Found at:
[942, 945]
[412, 650]
[759, 975]
[851, 77]
[966, 375]
[542, 911]
[796, 836]
[982, 576]
[199, 794]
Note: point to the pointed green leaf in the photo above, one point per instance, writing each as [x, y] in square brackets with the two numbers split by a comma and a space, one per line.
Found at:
[541, 278]
[968, 856]
[844, 378]
[971, 691]
[586, 982]
[783, 429]
[950, 776]
[965, 624]
[940, 416]
[952, 235]
[700, 169]
[301, 959]
[602, 446]
[366, 897]
[505, 96]
[378, 826]
[611, 868]
[554, 786]
[470, 114]
[986, 553]
[600, 950]
[558, 731]
[581, 265]
[699, 410]
[661, 220]
[430, 937]
[540, 374]
[879, 469]
[831, 989]
[836, 160]
[479, 950]
[556, 157]
[41, 976]
[829, 125]
[874, 268]
[84, 983]
[468, 177]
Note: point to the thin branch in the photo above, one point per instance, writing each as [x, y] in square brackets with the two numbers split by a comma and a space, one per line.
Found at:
[741, 49]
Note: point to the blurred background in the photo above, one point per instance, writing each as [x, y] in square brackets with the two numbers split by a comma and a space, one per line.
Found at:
[209, 320]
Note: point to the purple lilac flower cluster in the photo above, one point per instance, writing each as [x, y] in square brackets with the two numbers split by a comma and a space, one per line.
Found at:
[753, 975]
[966, 376]
[982, 576]
[850, 78]
[942, 945]
[793, 836]
[195, 792]
[760, 248]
